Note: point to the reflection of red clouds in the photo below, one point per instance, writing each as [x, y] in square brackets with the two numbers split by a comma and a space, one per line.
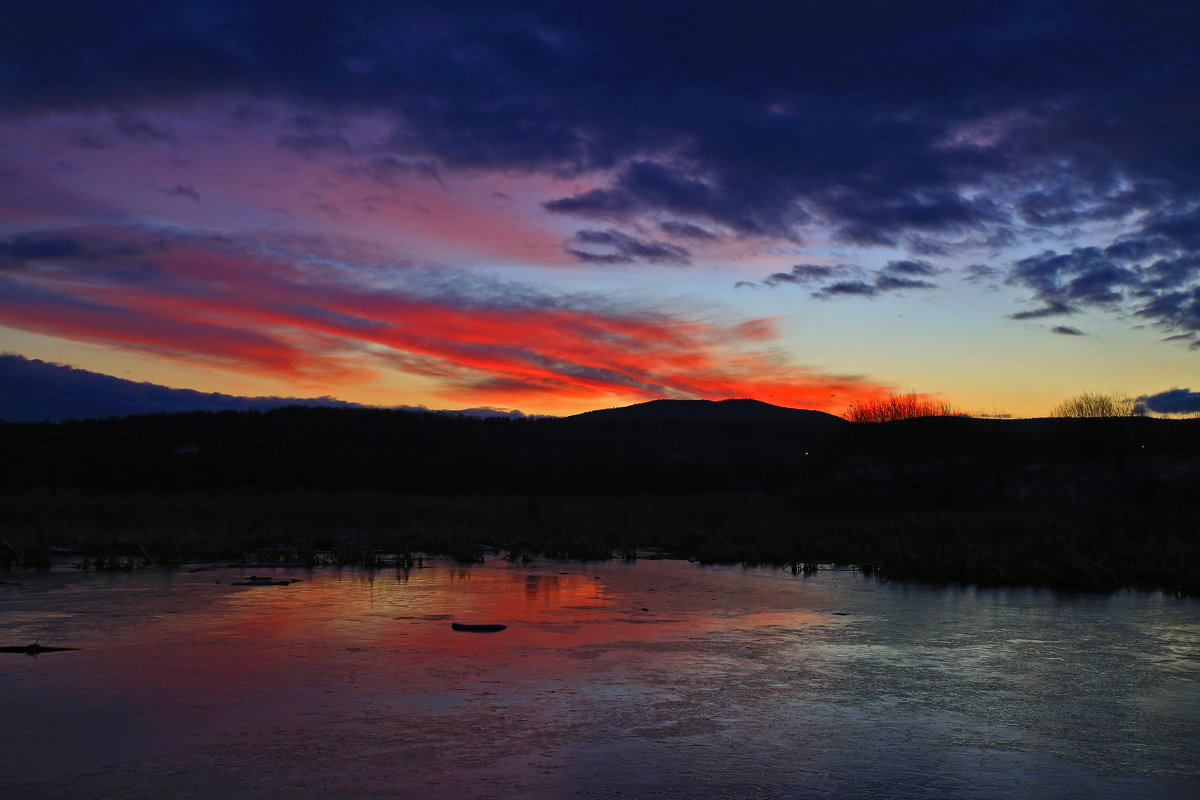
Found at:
[204, 302]
[324, 619]
[413, 611]
[342, 639]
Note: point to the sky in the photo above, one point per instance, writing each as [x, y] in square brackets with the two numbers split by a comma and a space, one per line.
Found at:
[556, 207]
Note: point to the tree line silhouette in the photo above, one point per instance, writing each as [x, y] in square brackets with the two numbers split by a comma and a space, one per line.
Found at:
[1091, 504]
[806, 453]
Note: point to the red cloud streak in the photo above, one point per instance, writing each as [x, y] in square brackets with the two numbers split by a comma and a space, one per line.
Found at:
[207, 302]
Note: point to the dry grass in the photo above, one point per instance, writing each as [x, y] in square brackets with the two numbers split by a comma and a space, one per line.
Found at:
[900, 406]
[1091, 548]
[1094, 404]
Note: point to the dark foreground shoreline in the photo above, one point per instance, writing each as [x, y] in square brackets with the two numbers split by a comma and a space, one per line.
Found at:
[1081, 505]
[1099, 548]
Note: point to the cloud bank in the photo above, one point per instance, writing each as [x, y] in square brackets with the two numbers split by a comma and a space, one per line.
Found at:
[880, 122]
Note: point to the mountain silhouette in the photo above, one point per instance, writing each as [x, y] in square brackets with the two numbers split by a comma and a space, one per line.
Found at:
[707, 410]
[34, 391]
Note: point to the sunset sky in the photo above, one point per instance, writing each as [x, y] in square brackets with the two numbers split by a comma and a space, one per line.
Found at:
[562, 206]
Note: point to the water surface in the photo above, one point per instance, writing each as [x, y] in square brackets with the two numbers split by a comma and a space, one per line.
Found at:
[659, 678]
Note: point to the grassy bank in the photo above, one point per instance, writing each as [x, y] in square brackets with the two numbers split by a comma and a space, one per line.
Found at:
[1095, 547]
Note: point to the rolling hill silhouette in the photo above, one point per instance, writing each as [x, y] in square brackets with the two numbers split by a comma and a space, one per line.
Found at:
[34, 391]
[708, 410]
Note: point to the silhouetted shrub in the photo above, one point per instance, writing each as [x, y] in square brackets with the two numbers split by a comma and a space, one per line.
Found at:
[899, 406]
[1094, 404]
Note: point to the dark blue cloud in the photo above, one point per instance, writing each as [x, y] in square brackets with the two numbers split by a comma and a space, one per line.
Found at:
[1055, 207]
[1152, 273]
[1053, 308]
[686, 230]
[869, 219]
[802, 273]
[1171, 273]
[1172, 401]
[1173, 229]
[910, 267]
[892, 283]
[894, 276]
[620, 248]
[979, 273]
[600, 203]
[645, 186]
[847, 289]
[1084, 276]
[1067, 330]
[17, 251]
[81, 246]
[1066, 205]
[880, 121]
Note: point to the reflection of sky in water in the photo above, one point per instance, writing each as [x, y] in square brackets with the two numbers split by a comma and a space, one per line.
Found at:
[654, 677]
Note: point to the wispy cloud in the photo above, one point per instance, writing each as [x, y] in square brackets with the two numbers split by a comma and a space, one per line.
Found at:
[1053, 308]
[895, 276]
[613, 247]
[208, 300]
[805, 273]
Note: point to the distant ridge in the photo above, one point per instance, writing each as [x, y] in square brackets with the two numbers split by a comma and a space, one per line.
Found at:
[710, 410]
[34, 391]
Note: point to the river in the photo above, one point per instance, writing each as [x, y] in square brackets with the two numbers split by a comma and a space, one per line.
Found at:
[657, 678]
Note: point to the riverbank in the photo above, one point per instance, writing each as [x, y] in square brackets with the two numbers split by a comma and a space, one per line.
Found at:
[1078, 504]
[1093, 547]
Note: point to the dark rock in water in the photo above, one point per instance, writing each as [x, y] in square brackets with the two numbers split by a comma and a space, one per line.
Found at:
[255, 580]
[35, 648]
[489, 628]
